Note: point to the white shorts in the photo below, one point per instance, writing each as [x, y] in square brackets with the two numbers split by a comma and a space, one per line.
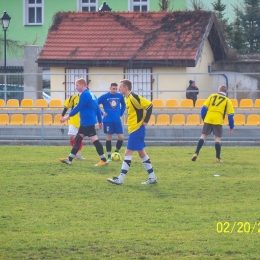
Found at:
[73, 130]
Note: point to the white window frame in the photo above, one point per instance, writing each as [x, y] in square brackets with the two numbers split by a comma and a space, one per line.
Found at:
[142, 81]
[71, 76]
[131, 5]
[26, 6]
[80, 5]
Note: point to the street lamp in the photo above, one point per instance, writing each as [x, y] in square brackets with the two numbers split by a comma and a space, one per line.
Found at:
[5, 20]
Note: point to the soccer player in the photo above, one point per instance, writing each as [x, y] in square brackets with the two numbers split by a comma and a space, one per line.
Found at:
[213, 113]
[139, 111]
[114, 107]
[89, 110]
[74, 122]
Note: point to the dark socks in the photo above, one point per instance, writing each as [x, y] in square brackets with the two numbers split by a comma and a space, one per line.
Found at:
[119, 144]
[99, 149]
[200, 144]
[218, 149]
[77, 143]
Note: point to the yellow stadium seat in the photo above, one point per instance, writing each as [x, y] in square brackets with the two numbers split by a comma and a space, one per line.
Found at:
[186, 103]
[56, 120]
[55, 104]
[31, 119]
[157, 103]
[239, 119]
[234, 102]
[178, 119]
[171, 103]
[27, 104]
[253, 119]
[2, 104]
[4, 119]
[163, 119]
[47, 119]
[12, 103]
[152, 120]
[17, 119]
[199, 102]
[41, 103]
[246, 103]
[257, 104]
[193, 120]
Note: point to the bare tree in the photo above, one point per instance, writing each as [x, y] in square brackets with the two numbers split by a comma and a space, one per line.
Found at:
[197, 5]
[165, 5]
[14, 47]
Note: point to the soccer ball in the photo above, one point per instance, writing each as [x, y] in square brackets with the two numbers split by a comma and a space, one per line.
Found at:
[116, 157]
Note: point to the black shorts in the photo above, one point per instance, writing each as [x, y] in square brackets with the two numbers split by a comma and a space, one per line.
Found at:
[87, 130]
[209, 128]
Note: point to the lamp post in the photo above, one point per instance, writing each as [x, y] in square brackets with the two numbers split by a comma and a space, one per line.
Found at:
[5, 20]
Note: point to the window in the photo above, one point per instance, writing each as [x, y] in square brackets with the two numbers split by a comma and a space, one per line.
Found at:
[71, 76]
[87, 5]
[33, 12]
[142, 81]
[138, 5]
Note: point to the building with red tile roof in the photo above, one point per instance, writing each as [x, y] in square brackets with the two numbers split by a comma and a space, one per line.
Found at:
[119, 42]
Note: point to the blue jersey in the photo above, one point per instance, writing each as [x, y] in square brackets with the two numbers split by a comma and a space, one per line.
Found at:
[88, 108]
[114, 106]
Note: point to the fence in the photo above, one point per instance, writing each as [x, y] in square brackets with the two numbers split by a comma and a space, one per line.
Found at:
[163, 85]
[171, 123]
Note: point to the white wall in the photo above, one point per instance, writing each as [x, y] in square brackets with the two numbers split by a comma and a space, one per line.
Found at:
[101, 78]
[239, 86]
[200, 72]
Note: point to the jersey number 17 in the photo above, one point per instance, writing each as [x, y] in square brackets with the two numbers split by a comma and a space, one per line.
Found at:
[217, 100]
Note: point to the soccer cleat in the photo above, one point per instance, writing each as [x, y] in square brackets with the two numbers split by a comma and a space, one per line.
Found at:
[219, 160]
[65, 160]
[150, 181]
[101, 163]
[194, 157]
[79, 157]
[115, 180]
[109, 159]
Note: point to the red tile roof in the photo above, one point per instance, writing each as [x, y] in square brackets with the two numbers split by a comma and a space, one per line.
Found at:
[126, 36]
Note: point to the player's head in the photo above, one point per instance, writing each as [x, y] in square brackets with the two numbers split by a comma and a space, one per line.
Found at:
[222, 88]
[113, 88]
[125, 86]
[81, 84]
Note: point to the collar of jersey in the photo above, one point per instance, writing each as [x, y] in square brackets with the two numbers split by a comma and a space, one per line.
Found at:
[222, 93]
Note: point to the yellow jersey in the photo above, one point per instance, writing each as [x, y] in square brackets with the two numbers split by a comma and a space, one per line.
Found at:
[217, 106]
[70, 103]
[136, 107]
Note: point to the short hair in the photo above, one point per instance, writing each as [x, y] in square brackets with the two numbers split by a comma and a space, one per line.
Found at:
[127, 83]
[222, 88]
[82, 81]
[113, 84]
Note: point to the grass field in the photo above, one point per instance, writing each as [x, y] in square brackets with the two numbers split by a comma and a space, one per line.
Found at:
[51, 210]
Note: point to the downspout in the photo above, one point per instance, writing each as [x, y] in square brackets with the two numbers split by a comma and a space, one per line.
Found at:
[225, 76]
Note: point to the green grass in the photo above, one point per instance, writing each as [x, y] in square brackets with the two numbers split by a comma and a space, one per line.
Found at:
[51, 210]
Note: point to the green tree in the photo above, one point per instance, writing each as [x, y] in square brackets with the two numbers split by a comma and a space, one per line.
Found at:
[219, 8]
[236, 37]
[248, 18]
